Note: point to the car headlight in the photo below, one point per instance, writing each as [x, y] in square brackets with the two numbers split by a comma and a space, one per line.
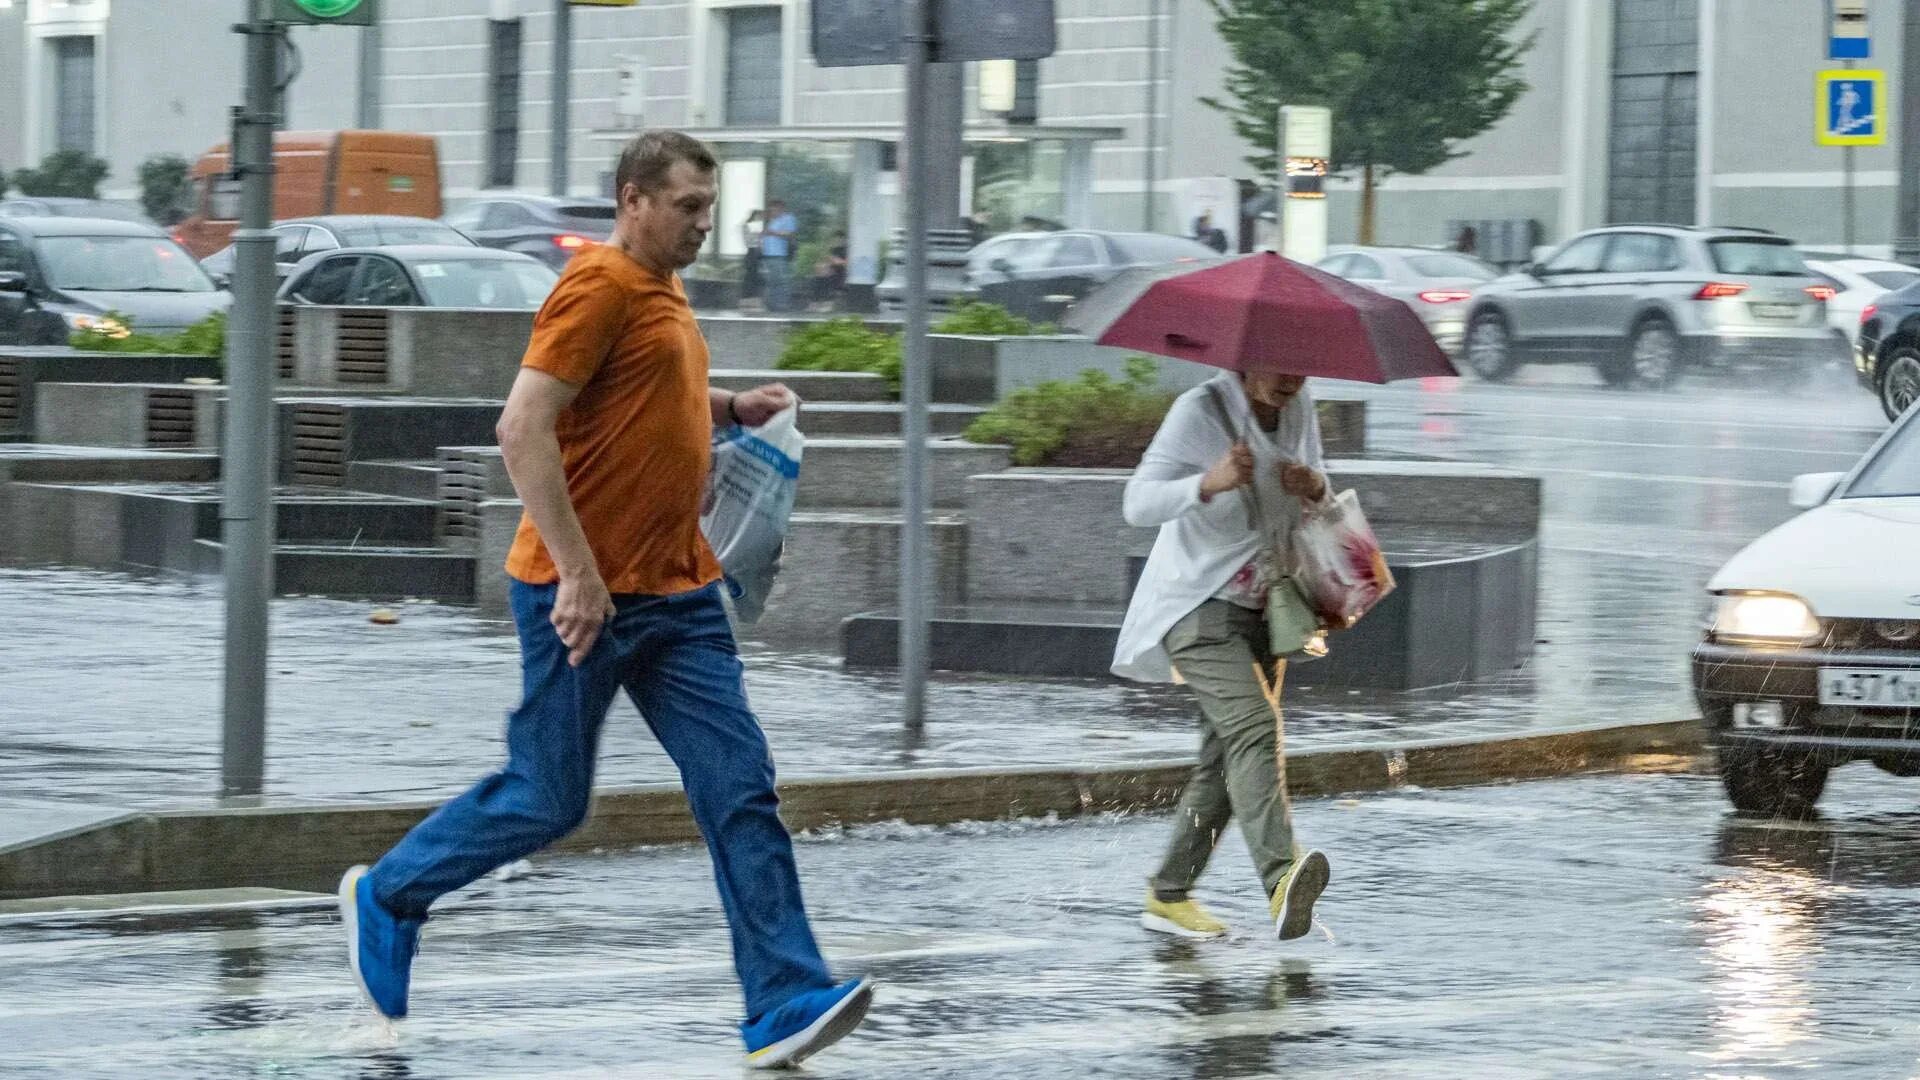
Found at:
[99, 324]
[1764, 618]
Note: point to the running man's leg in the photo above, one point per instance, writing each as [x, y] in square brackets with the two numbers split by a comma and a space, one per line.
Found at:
[688, 684]
[544, 790]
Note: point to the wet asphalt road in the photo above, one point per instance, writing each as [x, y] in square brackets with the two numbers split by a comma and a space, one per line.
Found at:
[1604, 926]
[109, 685]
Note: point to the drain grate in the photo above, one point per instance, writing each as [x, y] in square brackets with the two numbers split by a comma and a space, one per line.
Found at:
[363, 342]
[319, 444]
[9, 394]
[463, 487]
[169, 417]
[286, 340]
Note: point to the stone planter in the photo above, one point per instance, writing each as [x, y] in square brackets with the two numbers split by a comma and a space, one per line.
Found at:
[713, 293]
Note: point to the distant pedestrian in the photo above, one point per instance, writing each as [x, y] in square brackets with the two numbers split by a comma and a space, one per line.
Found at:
[1467, 242]
[1205, 231]
[606, 435]
[751, 281]
[1225, 479]
[829, 276]
[776, 255]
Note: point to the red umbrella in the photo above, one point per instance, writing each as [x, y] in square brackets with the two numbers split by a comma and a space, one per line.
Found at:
[1262, 313]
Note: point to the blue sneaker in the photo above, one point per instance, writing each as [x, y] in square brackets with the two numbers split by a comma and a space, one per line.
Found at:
[806, 1025]
[380, 945]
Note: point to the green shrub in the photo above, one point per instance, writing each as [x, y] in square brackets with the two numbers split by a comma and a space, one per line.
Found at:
[208, 337]
[844, 344]
[988, 320]
[166, 189]
[1095, 421]
[73, 174]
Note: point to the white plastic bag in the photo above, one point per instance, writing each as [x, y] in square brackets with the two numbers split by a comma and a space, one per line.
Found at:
[748, 503]
[1337, 561]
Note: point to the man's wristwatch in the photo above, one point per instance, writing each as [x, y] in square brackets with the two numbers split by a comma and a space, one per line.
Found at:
[732, 415]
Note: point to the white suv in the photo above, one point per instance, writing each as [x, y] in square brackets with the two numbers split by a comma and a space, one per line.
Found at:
[1643, 302]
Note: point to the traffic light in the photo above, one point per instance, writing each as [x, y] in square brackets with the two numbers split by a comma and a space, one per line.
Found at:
[324, 12]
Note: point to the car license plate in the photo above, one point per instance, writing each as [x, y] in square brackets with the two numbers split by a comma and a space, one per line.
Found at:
[1870, 687]
[1777, 311]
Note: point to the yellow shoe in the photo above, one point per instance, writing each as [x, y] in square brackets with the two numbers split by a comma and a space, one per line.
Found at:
[1292, 901]
[1181, 918]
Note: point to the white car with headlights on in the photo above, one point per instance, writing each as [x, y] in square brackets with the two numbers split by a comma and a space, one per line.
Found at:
[1812, 654]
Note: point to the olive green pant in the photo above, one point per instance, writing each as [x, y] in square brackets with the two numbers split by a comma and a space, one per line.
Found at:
[1220, 651]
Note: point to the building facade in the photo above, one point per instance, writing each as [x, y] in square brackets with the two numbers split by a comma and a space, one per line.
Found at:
[1662, 110]
[127, 79]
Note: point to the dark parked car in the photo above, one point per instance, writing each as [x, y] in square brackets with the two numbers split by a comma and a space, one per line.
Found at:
[33, 206]
[421, 276]
[548, 228]
[1038, 274]
[1887, 358]
[297, 238]
[61, 274]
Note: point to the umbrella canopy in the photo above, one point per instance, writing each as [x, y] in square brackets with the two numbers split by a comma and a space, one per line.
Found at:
[1262, 313]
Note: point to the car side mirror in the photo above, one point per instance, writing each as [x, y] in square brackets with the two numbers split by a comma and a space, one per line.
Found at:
[1814, 489]
[223, 281]
[1534, 270]
[13, 281]
[1001, 266]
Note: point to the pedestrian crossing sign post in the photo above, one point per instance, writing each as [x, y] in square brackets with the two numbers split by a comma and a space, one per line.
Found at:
[1851, 108]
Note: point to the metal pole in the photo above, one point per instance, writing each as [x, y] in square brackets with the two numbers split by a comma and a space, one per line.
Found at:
[368, 117]
[561, 93]
[916, 380]
[1846, 198]
[247, 463]
[1153, 115]
[1906, 225]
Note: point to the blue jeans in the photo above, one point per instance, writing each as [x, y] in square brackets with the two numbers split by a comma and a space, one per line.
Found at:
[675, 657]
[777, 272]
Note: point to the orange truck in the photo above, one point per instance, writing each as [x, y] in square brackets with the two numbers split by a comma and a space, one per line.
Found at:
[319, 172]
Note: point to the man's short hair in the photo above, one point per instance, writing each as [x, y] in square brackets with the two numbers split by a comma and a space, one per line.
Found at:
[651, 155]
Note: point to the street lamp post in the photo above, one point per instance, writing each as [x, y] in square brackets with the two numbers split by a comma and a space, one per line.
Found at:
[1906, 225]
[247, 461]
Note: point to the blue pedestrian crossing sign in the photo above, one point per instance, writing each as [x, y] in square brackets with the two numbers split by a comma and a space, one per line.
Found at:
[1851, 108]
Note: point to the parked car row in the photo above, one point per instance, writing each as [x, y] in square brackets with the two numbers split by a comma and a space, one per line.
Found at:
[1037, 275]
[1644, 304]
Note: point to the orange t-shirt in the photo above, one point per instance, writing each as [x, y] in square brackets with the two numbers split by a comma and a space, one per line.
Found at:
[637, 442]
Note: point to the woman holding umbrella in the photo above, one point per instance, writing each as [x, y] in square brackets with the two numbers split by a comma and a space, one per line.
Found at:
[1225, 479]
[1233, 467]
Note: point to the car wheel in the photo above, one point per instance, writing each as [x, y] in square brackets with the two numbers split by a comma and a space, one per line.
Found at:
[1651, 357]
[1771, 782]
[1899, 380]
[1489, 347]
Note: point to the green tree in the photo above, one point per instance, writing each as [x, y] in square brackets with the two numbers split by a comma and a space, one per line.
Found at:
[73, 174]
[165, 188]
[1407, 80]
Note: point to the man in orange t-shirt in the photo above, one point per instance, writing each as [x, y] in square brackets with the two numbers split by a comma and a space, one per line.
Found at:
[607, 435]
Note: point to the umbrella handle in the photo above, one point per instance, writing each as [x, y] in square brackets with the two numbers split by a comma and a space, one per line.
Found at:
[1182, 341]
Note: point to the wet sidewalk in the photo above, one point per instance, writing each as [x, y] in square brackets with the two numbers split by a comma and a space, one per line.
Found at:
[1602, 926]
[110, 693]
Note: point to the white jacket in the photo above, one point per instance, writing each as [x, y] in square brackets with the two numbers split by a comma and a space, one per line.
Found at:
[1202, 545]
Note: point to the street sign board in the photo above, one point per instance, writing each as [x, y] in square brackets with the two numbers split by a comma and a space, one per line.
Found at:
[852, 33]
[1847, 37]
[1850, 108]
[324, 12]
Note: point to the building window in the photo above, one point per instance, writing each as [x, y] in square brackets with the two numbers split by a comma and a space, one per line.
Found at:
[73, 97]
[1654, 132]
[1026, 92]
[503, 102]
[755, 70]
